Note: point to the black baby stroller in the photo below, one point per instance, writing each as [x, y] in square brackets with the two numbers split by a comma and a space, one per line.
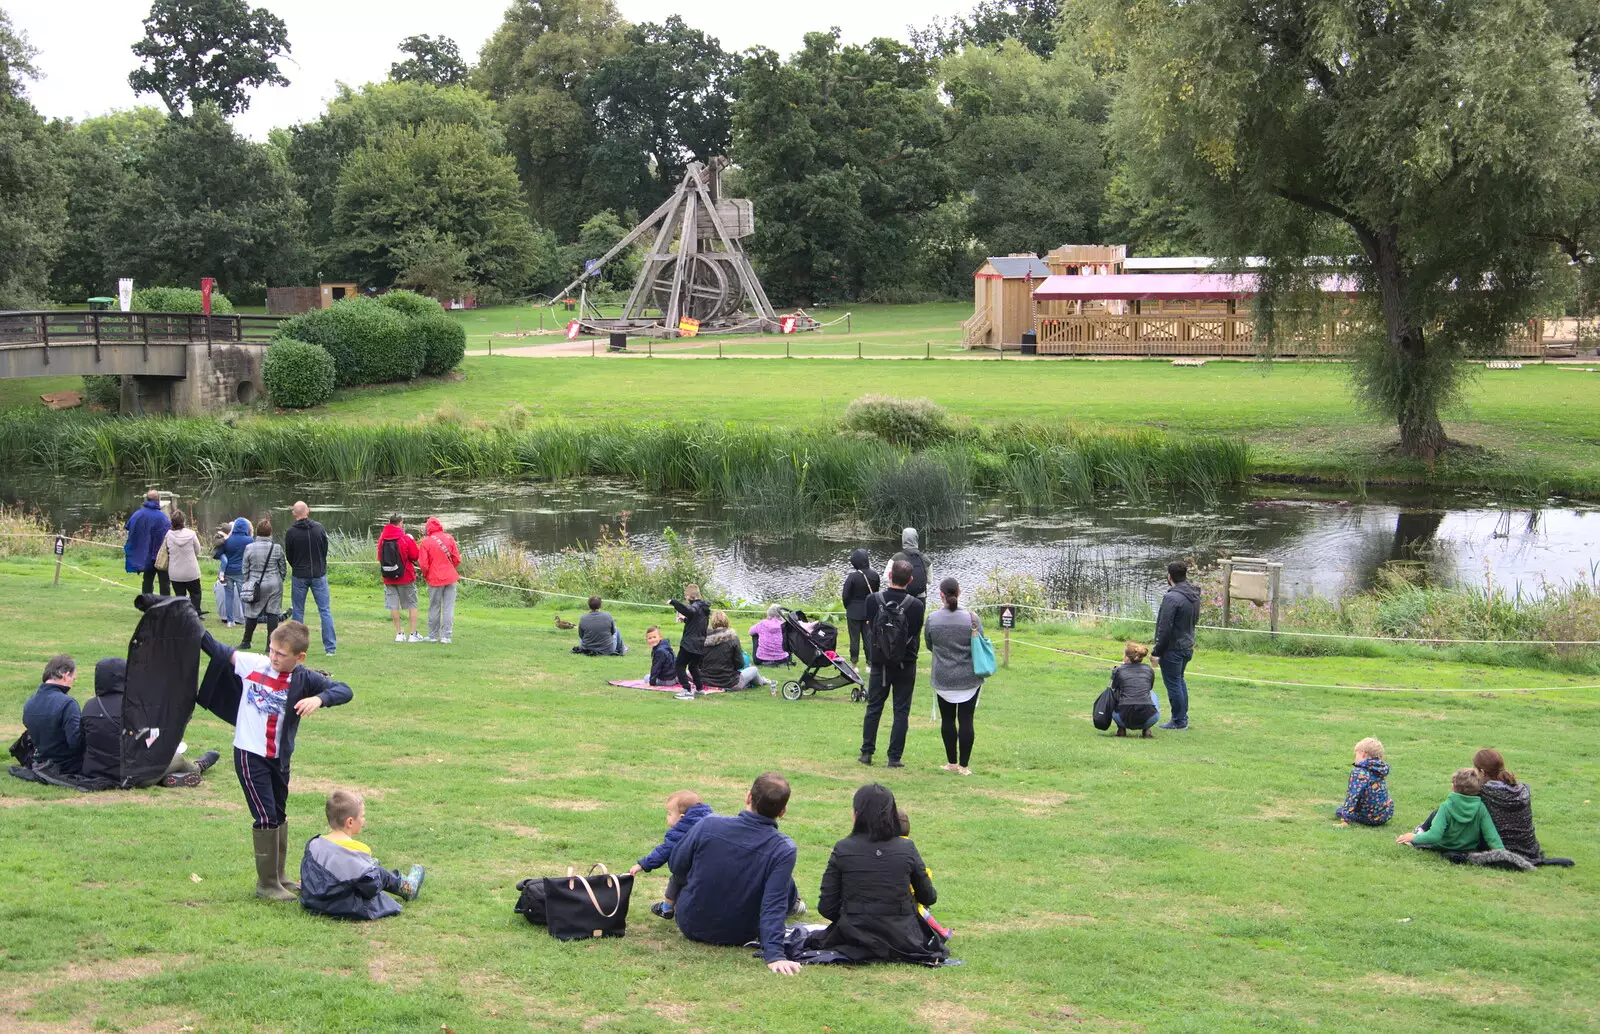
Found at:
[812, 647]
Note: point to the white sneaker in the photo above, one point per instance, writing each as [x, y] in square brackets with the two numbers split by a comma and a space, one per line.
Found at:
[685, 695]
[445, 640]
[399, 637]
[414, 638]
[426, 639]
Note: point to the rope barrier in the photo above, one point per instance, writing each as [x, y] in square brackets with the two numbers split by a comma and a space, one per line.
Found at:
[47, 535]
[96, 577]
[1317, 685]
[570, 596]
[1303, 635]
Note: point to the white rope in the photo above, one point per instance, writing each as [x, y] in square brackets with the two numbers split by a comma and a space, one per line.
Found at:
[1317, 685]
[108, 581]
[1304, 635]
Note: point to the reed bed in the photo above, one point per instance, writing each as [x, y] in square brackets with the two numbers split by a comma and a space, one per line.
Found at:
[793, 476]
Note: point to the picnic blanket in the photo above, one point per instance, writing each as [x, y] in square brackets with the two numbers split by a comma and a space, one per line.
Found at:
[645, 684]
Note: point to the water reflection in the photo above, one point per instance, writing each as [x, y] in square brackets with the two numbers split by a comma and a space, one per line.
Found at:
[1325, 543]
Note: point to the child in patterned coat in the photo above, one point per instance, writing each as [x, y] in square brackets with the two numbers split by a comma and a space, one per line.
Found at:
[1366, 801]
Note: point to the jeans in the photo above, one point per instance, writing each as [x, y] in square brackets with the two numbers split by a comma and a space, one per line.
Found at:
[235, 612]
[150, 576]
[319, 593]
[441, 610]
[901, 680]
[1172, 665]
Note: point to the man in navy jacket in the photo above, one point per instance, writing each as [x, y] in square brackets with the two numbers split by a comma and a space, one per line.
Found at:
[737, 873]
[54, 719]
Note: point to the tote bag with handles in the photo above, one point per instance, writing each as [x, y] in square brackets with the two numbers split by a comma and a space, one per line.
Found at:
[982, 652]
[580, 908]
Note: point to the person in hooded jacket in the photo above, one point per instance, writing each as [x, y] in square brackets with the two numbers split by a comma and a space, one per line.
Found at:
[860, 583]
[694, 612]
[102, 732]
[183, 559]
[230, 551]
[872, 886]
[147, 527]
[400, 585]
[1510, 804]
[1174, 645]
[263, 569]
[439, 557]
[1366, 799]
[911, 553]
[722, 663]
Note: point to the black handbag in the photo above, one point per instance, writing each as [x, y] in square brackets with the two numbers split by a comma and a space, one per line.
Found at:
[530, 903]
[1102, 710]
[579, 908]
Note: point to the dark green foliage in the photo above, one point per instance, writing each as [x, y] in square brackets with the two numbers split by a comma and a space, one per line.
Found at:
[103, 390]
[409, 304]
[434, 61]
[323, 328]
[32, 181]
[298, 375]
[418, 311]
[991, 25]
[198, 52]
[370, 343]
[178, 299]
[446, 342]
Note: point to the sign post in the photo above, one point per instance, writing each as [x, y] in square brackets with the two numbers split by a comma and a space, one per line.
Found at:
[61, 548]
[1008, 618]
[125, 294]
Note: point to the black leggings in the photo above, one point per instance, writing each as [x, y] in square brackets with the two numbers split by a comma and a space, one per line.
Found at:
[689, 666]
[270, 620]
[949, 715]
[189, 589]
[860, 636]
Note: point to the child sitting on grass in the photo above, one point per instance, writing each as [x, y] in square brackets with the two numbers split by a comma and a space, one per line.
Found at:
[338, 876]
[1366, 801]
[922, 910]
[684, 810]
[663, 663]
[1461, 823]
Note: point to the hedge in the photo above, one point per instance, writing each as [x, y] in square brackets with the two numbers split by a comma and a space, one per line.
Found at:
[446, 340]
[369, 343]
[103, 389]
[178, 299]
[410, 304]
[298, 374]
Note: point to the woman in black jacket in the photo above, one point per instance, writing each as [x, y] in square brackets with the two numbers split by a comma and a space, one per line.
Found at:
[694, 612]
[859, 584]
[1133, 696]
[870, 891]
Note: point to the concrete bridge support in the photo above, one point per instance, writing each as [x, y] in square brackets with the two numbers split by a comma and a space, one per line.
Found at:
[216, 376]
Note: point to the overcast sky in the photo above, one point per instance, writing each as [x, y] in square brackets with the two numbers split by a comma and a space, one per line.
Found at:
[85, 59]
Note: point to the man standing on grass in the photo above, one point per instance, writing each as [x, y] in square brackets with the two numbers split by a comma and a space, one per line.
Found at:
[737, 875]
[397, 560]
[1174, 645]
[305, 546]
[147, 528]
[896, 630]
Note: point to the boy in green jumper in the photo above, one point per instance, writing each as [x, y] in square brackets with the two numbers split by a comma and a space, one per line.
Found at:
[1461, 823]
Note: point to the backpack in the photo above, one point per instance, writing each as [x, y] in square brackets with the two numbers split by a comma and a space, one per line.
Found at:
[918, 586]
[530, 902]
[389, 559]
[891, 632]
[1103, 706]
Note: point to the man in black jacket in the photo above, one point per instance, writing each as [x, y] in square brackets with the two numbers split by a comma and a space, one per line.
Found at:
[305, 546]
[859, 584]
[896, 620]
[54, 720]
[1174, 645]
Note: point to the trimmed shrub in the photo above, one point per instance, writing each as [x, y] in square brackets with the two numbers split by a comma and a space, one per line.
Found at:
[912, 422]
[298, 374]
[446, 342]
[369, 343]
[178, 299]
[103, 389]
[410, 304]
[321, 327]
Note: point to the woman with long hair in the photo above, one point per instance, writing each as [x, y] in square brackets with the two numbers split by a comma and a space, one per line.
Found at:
[872, 886]
[948, 632]
[1510, 805]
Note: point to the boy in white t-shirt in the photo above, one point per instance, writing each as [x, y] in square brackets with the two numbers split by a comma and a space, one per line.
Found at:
[264, 697]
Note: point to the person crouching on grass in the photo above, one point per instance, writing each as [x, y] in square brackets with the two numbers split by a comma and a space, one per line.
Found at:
[338, 875]
[264, 698]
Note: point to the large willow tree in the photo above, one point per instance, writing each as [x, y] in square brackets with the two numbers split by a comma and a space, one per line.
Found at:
[1430, 134]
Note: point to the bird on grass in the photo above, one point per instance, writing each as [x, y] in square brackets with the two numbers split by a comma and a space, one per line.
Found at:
[564, 625]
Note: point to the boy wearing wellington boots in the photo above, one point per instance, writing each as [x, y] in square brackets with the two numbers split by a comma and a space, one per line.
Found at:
[264, 698]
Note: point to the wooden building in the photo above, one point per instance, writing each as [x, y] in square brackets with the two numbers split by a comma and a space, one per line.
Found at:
[1002, 300]
[292, 301]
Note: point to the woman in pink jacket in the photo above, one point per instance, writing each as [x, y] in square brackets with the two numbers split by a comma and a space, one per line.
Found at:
[439, 556]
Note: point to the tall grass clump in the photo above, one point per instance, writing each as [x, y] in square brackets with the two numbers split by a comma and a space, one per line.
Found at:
[909, 422]
[922, 490]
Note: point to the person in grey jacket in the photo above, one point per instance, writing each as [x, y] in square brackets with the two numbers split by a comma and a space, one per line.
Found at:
[1174, 645]
[911, 553]
[948, 632]
[261, 574]
[1133, 693]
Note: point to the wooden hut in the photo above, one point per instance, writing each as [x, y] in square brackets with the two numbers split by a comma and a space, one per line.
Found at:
[1002, 302]
[1087, 259]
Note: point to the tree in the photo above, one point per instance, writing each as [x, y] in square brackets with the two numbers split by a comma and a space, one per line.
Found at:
[434, 60]
[434, 264]
[599, 234]
[1423, 132]
[450, 179]
[208, 51]
[32, 183]
[99, 173]
[666, 99]
[1032, 23]
[16, 59]
[204, 201]
[838, 151]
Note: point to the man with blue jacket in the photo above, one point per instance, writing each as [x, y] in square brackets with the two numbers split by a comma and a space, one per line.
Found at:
[737, 873]
[147, 528]
[54, 720]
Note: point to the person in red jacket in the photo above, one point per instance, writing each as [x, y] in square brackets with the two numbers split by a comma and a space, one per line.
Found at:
[440, 556]
[397, 558]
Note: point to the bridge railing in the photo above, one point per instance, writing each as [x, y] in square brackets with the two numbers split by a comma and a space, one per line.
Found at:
[77, 327]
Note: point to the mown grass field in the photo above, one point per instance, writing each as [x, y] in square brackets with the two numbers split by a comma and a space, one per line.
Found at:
[1300, 418]
[1191, 883]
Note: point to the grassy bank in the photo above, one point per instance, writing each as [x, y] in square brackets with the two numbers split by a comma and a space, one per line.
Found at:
[1190, 883]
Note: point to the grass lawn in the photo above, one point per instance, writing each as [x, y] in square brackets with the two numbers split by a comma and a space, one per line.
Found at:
[1191, 883]
[1300, 417]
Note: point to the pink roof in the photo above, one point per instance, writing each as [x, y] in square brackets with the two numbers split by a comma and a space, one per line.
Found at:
[1160, 287]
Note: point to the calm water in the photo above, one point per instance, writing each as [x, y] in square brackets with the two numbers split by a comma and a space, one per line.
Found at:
[1325, 543]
